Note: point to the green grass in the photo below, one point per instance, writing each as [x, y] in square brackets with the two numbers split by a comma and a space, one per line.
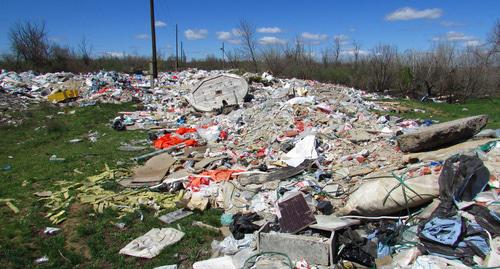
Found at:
[87, 240]
[446, 112]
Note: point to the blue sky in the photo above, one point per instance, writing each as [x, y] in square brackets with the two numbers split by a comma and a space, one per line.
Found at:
[122, 26]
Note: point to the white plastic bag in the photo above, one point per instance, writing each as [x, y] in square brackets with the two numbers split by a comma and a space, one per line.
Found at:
[305, 149]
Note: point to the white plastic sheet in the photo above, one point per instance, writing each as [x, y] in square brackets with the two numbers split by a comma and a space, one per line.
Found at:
[301, 100]
[150, 244]
[305, 149]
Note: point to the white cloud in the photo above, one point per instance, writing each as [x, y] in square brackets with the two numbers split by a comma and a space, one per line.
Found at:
[271, 40]
[456, 36]
[451, 24]
[114, 54]
[310, 36]
[452, 36]
[351, 51]
[230, 37]
[343, 38]
[54, 38]
[234, 41]
[195, 34]
[408, 13]
[159, 23]
[142, 36]
[223, 35]
[311, 54]
[472, 43]
[269, 30]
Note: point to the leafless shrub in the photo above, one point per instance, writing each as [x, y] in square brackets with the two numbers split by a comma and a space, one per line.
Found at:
[273, 59]
[29, 43]
[246, 32]
[85, 50]
[382, 60]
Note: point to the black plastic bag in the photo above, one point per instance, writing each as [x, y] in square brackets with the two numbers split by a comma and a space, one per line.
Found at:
[243, 224]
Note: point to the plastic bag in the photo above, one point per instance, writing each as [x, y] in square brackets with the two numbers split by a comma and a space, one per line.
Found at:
[211, 134]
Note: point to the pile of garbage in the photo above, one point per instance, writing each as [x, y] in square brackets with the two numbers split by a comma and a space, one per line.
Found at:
[309, 175]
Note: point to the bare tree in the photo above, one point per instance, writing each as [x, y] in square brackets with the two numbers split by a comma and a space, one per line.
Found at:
[494, 37]
[295, 53]
[445, 75]
[273, 59]
[233, 57]
[29, 41]
[85, 51]
[325, 57]
[249, 43]
[381, 62]
[356, 47]
[61, 58]
[337, 48]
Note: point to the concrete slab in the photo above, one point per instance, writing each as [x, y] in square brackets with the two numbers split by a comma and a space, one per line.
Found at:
[315, 250]
[451, 132]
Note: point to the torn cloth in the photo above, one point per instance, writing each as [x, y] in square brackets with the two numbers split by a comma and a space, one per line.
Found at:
[444, 231]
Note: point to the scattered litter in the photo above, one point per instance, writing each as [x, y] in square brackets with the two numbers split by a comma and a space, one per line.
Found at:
[174, 266]
[51, 230]
[9, 204]
[225, 262]
[307, 173]
[205, 226]
[41, 260]
[6, 167]
[43, 193]
[120, 225]
[54, 158]
[174, 216]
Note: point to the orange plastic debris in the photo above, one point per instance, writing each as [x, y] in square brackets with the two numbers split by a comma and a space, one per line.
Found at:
[169, 140]
[210, 175]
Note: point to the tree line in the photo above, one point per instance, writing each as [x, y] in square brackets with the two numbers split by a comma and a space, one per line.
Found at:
[447, 70]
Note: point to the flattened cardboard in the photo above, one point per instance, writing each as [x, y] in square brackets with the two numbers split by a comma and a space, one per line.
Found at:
[154, 169]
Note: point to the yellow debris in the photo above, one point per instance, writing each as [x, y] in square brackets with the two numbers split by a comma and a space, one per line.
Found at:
[92, 193]
[62, 95]
[12, 207]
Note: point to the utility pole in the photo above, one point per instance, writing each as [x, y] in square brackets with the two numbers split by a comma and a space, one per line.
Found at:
[176, 47]
[153, 42]
[182, 53]
[223, 53]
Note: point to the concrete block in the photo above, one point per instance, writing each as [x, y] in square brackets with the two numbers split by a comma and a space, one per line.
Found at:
[447, 133]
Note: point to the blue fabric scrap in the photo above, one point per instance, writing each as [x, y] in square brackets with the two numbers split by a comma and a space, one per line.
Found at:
[444, 231]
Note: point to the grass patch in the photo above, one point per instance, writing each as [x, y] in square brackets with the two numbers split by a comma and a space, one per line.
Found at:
[87, 240]
[446, 112]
